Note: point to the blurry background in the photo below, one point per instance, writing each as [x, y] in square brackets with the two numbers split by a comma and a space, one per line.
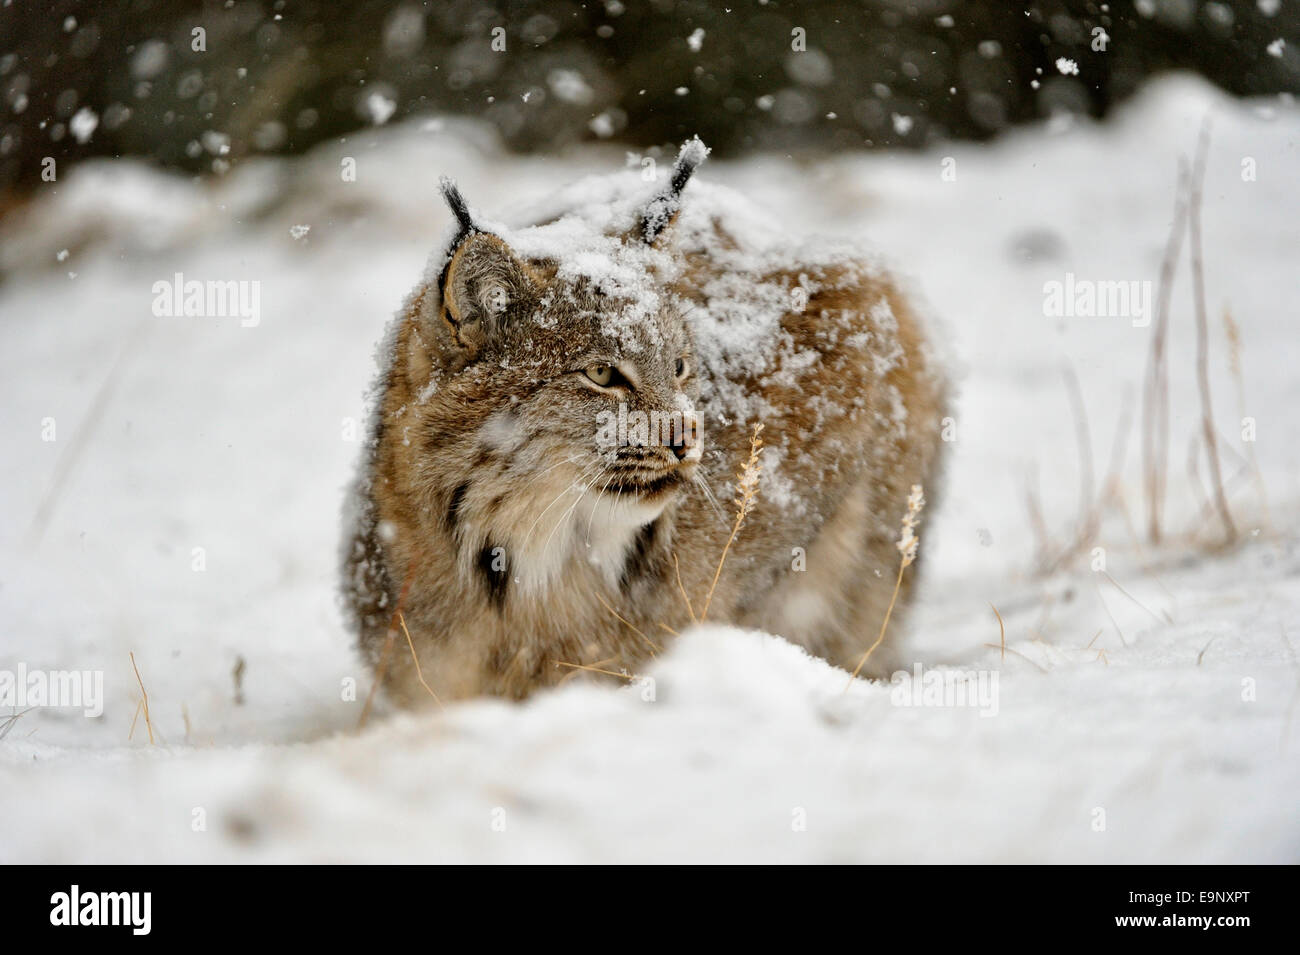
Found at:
[199, 86]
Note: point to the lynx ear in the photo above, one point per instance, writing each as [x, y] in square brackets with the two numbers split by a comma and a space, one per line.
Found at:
[483, 282]
[660, 212]
[483, 286]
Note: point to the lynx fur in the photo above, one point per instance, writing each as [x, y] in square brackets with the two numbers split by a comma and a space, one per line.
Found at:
[561, 414]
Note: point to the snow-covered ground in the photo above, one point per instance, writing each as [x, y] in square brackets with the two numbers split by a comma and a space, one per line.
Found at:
[187, 511]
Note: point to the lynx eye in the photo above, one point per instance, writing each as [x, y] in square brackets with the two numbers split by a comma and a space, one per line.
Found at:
[600, 374]
[681, 368]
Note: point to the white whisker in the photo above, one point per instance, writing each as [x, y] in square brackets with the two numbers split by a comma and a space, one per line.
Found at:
[709, 497]
[567, 488]
[592, 519]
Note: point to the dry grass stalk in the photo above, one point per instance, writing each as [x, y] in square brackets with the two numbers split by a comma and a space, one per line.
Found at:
[1194, 473]
[1155, 397]
[1203, 336]
[746, 499]
[907, 545]
[11, 721]
[1121, 504]
[591, 669]
[654, 648]
[1112, 488]
[401, 618]
[144, 701]
[1100, 651]
[1087, 521]
[1002, 627]
[1233, 331]
[382, 669]
[1208, 509]
[678, 568]
[1111, 617]
[1032, 662]
[1201, 656]
[1115, 583]
[135, 717]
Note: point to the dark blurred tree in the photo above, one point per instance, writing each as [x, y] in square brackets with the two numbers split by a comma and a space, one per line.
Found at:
[198, 85]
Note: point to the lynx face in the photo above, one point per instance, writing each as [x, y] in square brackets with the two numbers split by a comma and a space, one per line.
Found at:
[570, 371]
[561, 401]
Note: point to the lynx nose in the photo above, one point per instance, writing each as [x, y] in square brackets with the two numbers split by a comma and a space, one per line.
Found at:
[684, 441]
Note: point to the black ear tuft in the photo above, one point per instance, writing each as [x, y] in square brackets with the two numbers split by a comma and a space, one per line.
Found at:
[692, 153]
[661, 210]
[458, 207]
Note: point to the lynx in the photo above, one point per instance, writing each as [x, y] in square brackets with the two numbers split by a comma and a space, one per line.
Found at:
[562, 411]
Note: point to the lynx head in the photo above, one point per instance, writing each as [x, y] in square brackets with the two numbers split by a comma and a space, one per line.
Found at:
[555, 367]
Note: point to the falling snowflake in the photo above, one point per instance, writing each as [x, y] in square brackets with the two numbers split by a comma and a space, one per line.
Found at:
[570, 86]
[83, 124]
[902, 124]
[1067, 66]
[218, 144]
[380, 108]
[695, 41]
[1276, 47]
[603, 125]
[298, 231]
